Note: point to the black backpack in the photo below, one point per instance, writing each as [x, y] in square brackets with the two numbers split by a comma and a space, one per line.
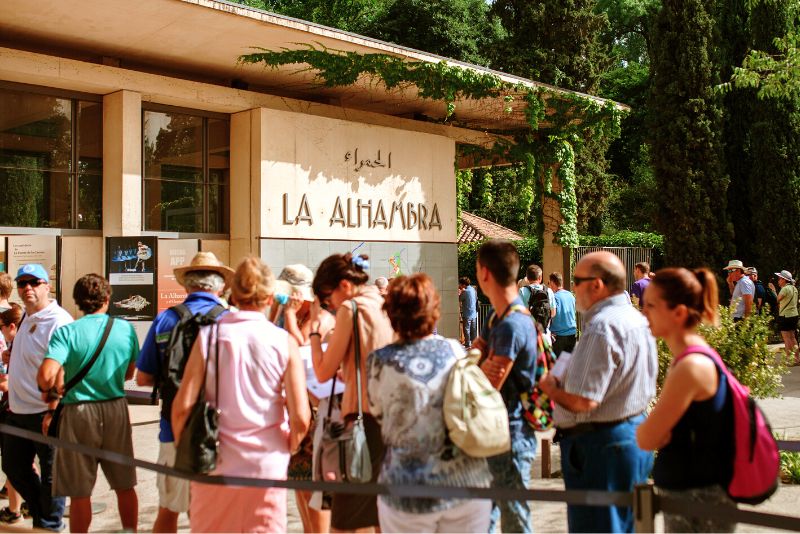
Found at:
[771, 299]
[539, 306]
[177, 353]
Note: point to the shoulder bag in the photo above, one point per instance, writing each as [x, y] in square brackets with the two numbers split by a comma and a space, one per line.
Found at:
[197, 449]
[52, 431]
[344, 452]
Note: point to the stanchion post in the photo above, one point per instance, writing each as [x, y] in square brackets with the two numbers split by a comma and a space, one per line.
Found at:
[644, 510]
[546, 458]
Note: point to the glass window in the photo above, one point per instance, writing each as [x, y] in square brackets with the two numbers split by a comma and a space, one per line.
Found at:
[39, 174]
[186, 173]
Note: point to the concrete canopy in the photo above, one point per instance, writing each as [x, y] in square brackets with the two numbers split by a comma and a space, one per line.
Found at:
[200, 40]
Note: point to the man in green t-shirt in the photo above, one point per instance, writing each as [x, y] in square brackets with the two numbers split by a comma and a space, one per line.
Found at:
[95, 411]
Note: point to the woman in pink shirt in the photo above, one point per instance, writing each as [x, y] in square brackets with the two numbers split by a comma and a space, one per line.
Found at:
[257, 362]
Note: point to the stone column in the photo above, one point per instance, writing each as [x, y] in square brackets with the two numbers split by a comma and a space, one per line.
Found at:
[554, 256]
[122, 164]
[246, 179]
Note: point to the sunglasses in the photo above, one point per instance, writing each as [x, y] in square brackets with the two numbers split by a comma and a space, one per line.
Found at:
[578, 280]
[33, 282]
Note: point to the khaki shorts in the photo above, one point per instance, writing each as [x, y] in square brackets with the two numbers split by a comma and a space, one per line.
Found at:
[173, 493]
[104, 425]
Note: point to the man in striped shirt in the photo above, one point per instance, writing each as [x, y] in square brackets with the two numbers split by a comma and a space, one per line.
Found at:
[601, 397]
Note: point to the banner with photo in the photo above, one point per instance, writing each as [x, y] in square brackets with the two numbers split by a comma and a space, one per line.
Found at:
[132, 265]
[173, 253]
[41, 249]
[2, 254]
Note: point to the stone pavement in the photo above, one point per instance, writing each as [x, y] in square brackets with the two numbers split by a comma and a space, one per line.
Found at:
[548, 517]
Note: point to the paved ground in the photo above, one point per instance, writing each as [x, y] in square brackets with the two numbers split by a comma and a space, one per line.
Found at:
[548, 517]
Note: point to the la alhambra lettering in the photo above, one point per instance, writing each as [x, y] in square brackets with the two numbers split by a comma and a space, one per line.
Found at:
[360, 213]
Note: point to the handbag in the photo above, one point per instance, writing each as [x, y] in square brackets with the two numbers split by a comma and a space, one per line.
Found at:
[344, 452]
[198, 447]
[52, 430]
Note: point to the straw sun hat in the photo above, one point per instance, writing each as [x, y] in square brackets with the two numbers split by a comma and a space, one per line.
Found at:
[204, 261]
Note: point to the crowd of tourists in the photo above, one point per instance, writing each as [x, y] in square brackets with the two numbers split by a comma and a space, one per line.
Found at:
[291, 362]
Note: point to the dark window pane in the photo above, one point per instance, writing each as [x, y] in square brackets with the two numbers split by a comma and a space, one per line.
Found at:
[173, 206]
[37, 128]
[90, 137]
[218, 202]
[90, 201]
[173, 146]
[35, 198]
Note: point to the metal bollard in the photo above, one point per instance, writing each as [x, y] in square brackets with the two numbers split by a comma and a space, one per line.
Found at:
[644, 511]
[546, 469]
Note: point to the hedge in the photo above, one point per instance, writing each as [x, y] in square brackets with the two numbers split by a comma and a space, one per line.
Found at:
[529, 252]
[628, 239]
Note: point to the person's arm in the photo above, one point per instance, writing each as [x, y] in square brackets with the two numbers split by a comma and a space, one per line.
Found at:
[748, 304]
[193, 378]
[147, 362]
[693, 378]
[290, 318]
[574, 403]
[48, 375]
[506, 344]
[294, 381]
[326, 363]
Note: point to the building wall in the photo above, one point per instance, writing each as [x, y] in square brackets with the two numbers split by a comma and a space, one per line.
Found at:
[304, 177]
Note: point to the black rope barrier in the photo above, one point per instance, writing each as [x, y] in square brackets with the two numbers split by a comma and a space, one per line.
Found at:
[573, 497]
[791, 446]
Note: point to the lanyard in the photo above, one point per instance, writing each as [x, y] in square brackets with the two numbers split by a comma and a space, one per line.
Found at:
[510, 309]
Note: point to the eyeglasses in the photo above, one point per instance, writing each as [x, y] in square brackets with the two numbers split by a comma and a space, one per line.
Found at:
[578, 280]
[33, 282]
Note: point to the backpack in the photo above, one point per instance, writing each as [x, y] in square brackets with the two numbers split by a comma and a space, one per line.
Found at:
[179, 346]
[756, 464]
[772, 299]
[536, 405]
[539, 306]
[474, 412]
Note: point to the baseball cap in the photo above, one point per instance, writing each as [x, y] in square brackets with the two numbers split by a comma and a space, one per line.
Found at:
[33, 270]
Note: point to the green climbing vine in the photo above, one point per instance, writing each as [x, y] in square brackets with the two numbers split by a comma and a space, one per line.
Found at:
[569, 117]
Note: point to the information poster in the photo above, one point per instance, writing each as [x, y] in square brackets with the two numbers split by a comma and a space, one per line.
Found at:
[173, 253]
[2, 254]
[131, 263]
[41, 249]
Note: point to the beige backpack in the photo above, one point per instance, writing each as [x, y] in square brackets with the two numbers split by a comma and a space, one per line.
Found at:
[474, 412]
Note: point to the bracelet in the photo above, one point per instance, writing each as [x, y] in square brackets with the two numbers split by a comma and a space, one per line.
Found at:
[51, 412]
[312, 334]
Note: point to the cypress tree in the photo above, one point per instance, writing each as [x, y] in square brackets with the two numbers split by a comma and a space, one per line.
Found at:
[774, 180]
[686, 148]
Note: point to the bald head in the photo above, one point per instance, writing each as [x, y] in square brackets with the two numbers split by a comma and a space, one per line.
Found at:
[607, 267]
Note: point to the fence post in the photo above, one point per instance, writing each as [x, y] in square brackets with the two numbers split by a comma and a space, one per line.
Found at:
[644, 511]
[546, 469]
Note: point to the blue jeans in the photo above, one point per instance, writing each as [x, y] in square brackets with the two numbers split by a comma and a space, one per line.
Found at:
[470, 330]
[18, 454]
[606, 459]
[512, 470]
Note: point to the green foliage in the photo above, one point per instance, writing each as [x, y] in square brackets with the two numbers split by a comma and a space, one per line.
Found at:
[790, 467]
[359, 16]
[744, 347]
[686, 148]
[457, 29]
[624, 239]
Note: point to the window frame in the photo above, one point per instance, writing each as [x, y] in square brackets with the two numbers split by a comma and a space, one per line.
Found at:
[206, 173]
[75, 98]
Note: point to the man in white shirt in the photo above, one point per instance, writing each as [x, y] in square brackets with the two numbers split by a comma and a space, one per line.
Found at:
[742, 290]
[42, 317]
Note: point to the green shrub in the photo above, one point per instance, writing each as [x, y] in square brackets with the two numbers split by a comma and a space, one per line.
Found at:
[744, 347]
[790, 467]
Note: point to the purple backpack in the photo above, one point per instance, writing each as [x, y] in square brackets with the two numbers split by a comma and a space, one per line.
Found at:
[756, 463]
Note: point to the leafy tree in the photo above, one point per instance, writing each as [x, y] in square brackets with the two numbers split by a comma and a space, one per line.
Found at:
[774, 150]
[686, 149]
[457, 29]
[357, 16]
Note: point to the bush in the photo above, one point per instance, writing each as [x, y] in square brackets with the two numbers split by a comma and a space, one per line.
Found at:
[744, 347]
[790, 467]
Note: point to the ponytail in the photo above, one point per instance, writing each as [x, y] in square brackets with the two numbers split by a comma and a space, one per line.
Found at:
[709, 296]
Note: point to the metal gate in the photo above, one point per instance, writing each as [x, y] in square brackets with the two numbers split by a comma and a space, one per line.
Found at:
[630, 256]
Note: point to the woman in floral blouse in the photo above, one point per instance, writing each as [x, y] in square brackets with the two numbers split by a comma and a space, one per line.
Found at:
[406, 387]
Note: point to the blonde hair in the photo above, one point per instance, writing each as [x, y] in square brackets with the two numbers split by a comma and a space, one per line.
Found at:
[253, 283]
